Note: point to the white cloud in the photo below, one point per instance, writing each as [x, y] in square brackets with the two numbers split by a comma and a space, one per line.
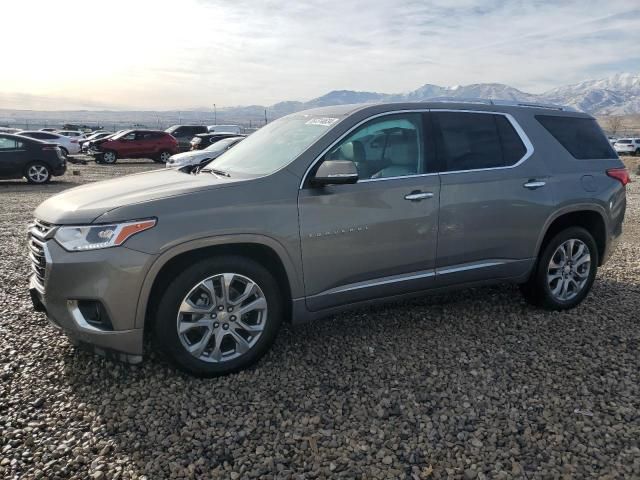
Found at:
[161, 54]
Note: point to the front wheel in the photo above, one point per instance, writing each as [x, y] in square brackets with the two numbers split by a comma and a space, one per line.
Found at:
[565, 271]
[163, 157]
[109, 156]
[219, 316]
[38, 173]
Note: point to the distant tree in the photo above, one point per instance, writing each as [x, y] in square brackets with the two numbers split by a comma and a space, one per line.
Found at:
[613, 124]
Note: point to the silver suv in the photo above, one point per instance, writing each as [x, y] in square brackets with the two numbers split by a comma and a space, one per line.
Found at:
[325, 210]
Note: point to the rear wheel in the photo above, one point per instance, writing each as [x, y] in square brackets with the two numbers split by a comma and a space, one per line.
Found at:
[109, 156]
[64, 151]
[37, 173]
[163, 157]
[219, 316]
[565, 271]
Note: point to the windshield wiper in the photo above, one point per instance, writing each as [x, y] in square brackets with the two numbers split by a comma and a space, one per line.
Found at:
[216, 172]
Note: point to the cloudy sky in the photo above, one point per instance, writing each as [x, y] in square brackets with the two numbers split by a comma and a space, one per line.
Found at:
[193, 53]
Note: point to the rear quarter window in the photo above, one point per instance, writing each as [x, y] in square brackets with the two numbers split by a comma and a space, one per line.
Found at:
[581, 137]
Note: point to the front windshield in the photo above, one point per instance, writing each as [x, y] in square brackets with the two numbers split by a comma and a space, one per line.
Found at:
[220, 145]
[275, 145]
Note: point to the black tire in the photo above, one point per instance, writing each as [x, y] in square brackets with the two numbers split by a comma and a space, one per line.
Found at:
[37, 173]
[64, 151]
[166, 324]
[537, 290]
[162, 157]
[109, 157]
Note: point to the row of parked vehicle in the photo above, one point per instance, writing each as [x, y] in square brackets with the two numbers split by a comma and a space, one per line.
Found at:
[37, 155]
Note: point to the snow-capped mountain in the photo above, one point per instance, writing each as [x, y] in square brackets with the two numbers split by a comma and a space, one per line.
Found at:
[618, 94]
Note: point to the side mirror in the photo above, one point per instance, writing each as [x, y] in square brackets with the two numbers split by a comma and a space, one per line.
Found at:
[335, 172]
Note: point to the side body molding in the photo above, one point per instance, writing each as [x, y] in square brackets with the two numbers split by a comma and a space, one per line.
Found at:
[291, 268]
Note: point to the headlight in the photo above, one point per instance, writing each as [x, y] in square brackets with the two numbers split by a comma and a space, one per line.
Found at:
[93, 237]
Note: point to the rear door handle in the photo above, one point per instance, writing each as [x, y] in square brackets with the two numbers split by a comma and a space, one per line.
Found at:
[534, 184]
[417, 196]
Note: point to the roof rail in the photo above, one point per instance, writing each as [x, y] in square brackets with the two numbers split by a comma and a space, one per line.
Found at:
[514, 103]
[482, 101]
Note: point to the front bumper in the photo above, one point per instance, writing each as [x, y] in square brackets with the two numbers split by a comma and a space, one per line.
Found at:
[111, 276]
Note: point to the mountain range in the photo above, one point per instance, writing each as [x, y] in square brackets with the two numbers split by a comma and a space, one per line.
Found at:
[615, 95]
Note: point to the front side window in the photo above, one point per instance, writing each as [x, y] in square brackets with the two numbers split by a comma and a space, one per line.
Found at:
[386, 147]
[129, 136]
[468, 141]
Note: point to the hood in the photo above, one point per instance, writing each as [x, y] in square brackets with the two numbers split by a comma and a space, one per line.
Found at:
[86, 203]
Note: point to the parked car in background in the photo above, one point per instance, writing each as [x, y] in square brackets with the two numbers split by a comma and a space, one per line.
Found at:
[66, 144]
[328, 209]
[154, 144]
[9, 130]
[47, 129]
[72, 134]
[85, 142]
[224, 129]
[204, 140]
[629, 146]
[184, 133]
[189, 161]
[32, 159]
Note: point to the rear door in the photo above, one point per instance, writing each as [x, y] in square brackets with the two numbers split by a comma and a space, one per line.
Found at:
[377, 237]
[493, 199]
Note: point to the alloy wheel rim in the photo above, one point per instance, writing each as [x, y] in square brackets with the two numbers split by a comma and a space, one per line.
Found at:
[568, 269]
[109, 157]
[37, 173]
[222, 317]
[164, 156]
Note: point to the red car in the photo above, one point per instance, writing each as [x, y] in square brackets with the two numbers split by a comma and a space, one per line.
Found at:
[154, 144]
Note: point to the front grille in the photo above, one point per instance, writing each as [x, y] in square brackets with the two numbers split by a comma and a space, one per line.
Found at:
[39, 233]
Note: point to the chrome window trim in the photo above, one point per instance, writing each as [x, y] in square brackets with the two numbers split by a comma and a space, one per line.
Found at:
[514, 123]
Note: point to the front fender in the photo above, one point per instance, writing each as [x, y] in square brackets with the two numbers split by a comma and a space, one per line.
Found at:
[294, 274]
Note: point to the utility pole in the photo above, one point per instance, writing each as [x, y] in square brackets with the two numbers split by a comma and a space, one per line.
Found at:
[265, 116]
[215, 115]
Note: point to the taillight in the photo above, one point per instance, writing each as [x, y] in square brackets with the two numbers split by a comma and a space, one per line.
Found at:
[49, 148]
[619, 174]
[74, 141]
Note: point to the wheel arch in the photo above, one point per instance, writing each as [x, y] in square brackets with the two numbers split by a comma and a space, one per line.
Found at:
[265, 251]
[588, 216]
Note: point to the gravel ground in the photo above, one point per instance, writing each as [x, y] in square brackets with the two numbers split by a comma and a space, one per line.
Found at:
[474, 384]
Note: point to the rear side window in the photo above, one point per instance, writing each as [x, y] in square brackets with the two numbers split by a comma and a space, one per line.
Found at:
[582, 137]
[467, 141]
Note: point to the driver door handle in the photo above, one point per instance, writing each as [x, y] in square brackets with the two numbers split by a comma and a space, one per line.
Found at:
[417, 196]
[533, 184]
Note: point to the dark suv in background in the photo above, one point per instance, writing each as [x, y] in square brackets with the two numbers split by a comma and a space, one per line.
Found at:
[184, 133]
[205, 140]
[324, 210]
[154, 144]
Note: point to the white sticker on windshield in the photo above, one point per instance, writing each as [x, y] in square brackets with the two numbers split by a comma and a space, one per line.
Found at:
[324, 121]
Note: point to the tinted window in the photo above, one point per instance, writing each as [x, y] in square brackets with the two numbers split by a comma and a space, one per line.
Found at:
[512, 147]
[582, 137]
[9, 143]
[468, 141]
[390, 146]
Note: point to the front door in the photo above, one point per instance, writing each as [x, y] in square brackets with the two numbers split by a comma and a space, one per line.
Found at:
[376, 237]
[493, 198]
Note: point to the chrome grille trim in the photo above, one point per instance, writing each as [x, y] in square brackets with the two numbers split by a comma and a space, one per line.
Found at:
[39, 233]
